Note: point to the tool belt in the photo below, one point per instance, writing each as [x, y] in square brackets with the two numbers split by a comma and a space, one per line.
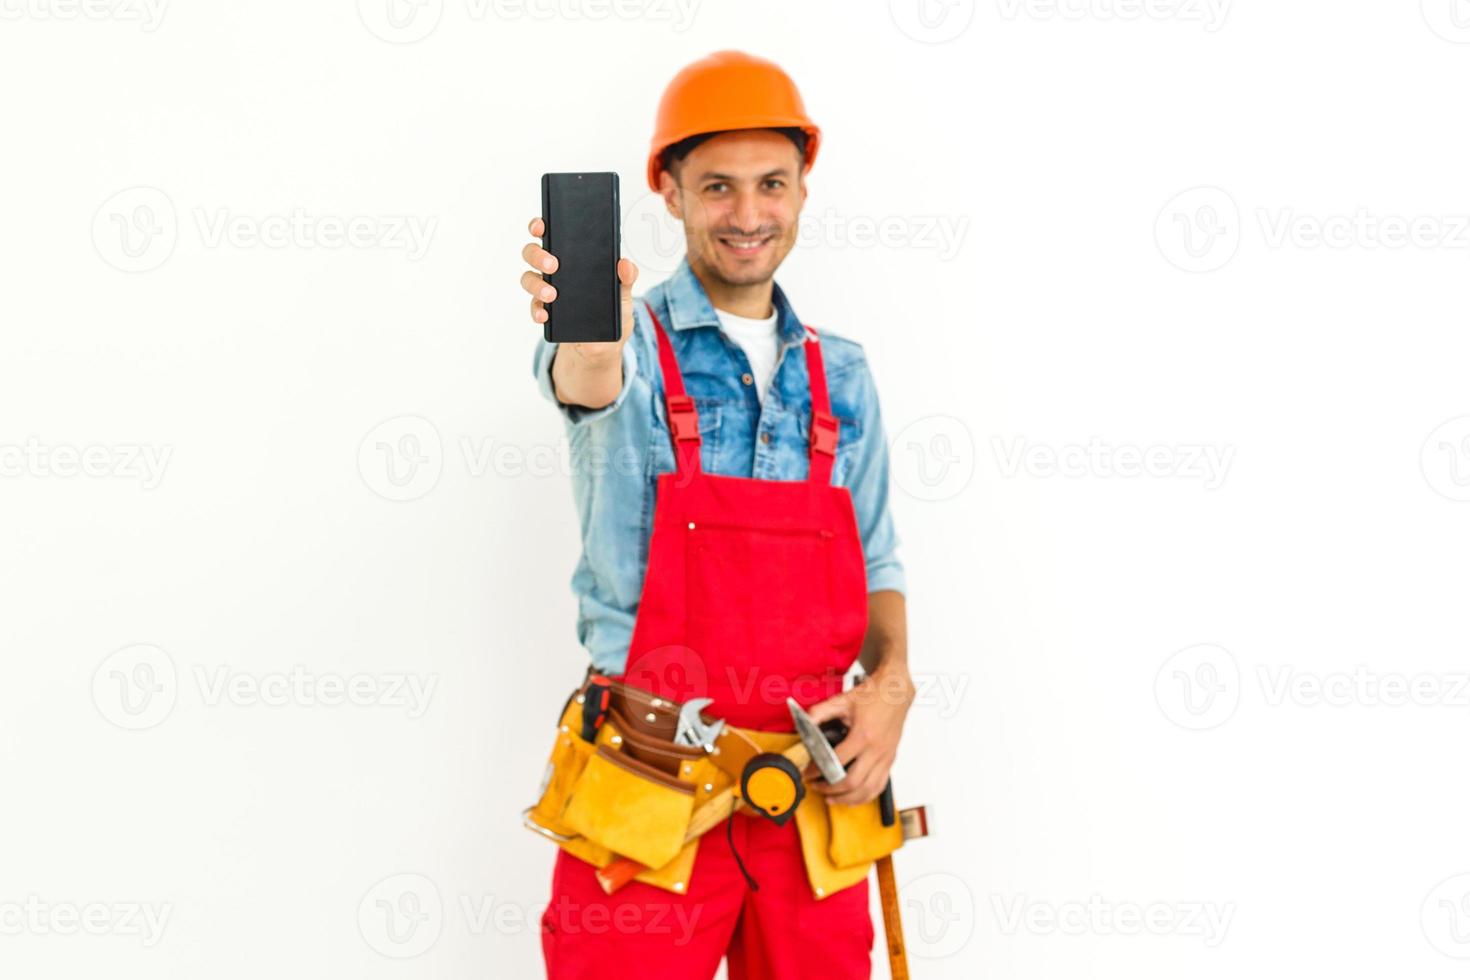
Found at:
[631, 791]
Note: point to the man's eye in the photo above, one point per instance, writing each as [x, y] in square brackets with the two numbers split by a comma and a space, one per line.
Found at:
[775, 182]
[717, 186]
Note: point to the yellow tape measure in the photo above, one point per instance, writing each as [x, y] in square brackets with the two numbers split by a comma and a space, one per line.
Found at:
[772, 785]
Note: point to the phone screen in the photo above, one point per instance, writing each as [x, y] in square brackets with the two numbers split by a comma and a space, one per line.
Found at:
[582, 219]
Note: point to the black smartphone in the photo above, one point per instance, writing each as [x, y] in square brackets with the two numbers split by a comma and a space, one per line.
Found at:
[582, 231]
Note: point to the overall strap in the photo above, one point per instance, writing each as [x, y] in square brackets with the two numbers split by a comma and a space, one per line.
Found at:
[824, 424]
[683, 420]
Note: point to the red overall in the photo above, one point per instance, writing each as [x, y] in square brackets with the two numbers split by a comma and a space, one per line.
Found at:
[756, 590]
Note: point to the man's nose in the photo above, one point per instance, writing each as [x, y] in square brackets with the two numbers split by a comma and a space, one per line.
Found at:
[747, 212]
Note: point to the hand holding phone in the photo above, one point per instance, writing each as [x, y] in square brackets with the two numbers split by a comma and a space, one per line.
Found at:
[581, 291]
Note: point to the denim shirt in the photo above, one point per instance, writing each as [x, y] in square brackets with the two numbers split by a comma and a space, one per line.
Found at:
[618, 451]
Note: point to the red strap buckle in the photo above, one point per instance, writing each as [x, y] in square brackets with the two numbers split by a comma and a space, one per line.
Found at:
[683, 421]
[824, 433]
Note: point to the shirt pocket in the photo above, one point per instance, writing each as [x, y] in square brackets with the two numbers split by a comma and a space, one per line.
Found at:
[661, 446]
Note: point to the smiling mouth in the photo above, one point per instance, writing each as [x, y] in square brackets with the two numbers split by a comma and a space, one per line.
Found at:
[746, 246]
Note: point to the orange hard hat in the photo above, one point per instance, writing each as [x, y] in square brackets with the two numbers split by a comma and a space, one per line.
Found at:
[728, 90]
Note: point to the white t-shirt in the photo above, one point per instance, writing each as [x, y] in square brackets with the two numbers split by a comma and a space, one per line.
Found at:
[757, 338]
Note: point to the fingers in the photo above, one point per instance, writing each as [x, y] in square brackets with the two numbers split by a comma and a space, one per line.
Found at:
[852, 746]
[538, 258]
[538, 287]
[865, 781]
[838, 706]
[542, 263]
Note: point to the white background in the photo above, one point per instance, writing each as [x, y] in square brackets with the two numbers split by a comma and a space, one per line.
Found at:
[1174, 694]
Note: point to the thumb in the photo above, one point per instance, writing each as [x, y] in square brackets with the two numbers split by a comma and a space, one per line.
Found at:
[627, 275]
[839, 706]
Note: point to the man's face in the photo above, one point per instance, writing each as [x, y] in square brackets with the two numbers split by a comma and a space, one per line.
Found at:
[739, 196]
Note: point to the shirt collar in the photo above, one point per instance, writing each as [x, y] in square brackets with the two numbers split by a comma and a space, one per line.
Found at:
[690, 307]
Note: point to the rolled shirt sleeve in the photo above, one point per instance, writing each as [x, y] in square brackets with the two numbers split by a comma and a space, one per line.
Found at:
[545, 353]
[868, 482]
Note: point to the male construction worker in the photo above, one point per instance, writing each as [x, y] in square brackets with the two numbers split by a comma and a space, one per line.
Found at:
[750, 589]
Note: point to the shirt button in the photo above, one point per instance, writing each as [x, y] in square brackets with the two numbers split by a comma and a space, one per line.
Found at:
[765, 437]
[747, 379]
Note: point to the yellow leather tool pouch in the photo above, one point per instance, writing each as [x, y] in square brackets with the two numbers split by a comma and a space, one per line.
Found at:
[666, 756]
[634, 791]
[630, 807]
[568, 757]
[847, 830]
[858, 834]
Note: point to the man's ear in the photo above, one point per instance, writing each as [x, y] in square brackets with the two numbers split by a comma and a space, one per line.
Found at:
[668, 188]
